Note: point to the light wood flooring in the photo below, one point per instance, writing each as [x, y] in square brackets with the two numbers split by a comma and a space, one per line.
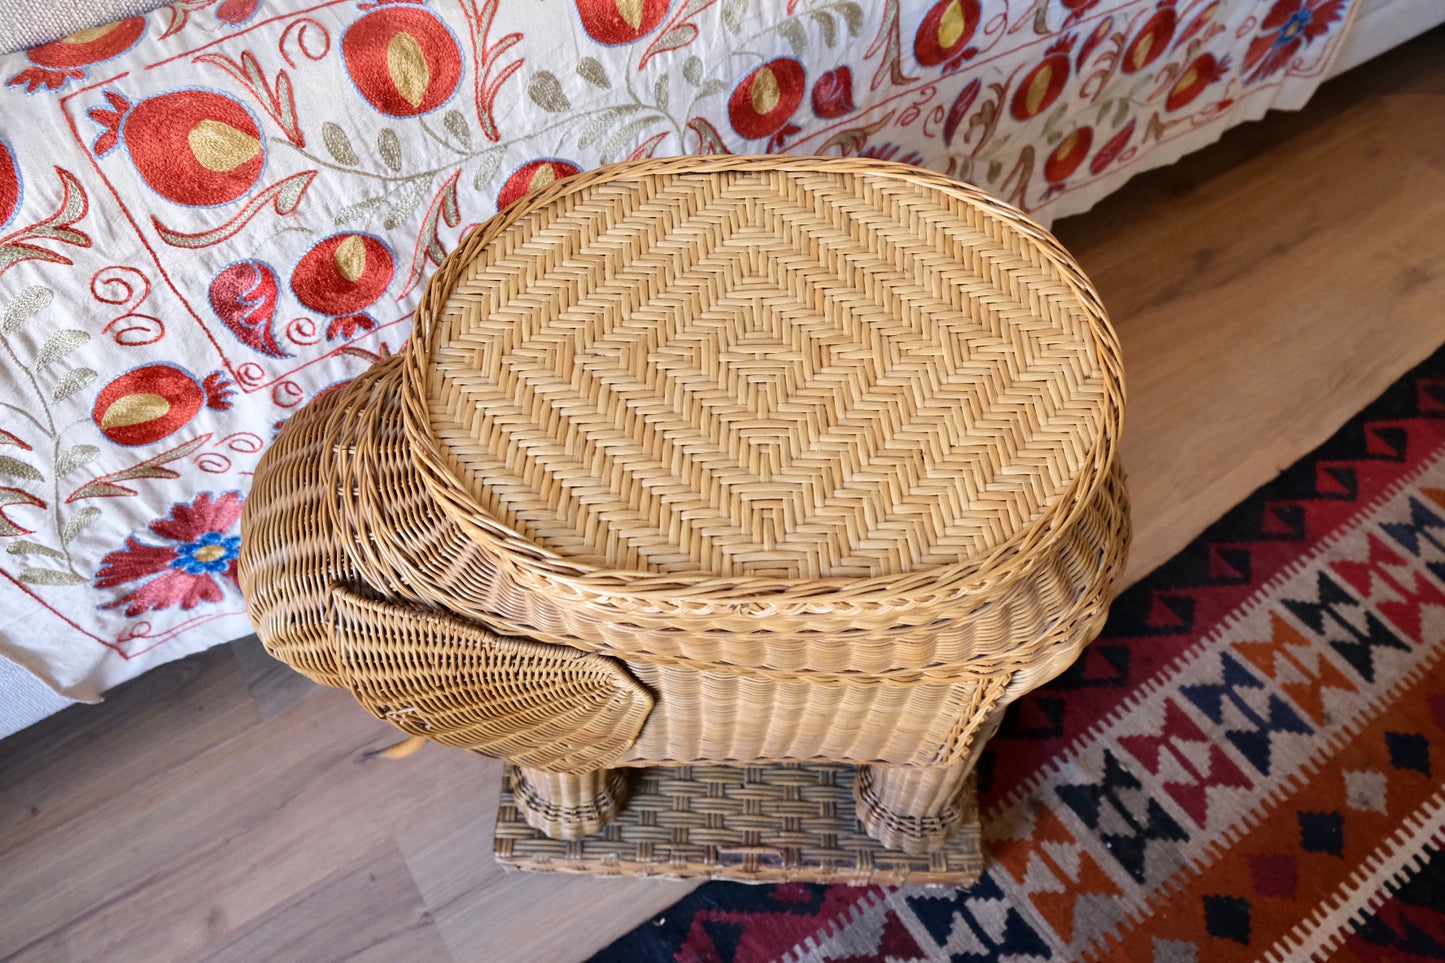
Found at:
[222, 808]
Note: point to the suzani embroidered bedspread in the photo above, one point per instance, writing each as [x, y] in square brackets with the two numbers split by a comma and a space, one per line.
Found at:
[210, 215]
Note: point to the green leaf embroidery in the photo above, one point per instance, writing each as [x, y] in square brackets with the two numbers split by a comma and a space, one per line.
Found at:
[659, 92]
[591, 71]
[708, 141]
[456, 125]
[289, 191]
[679, 36]
[692, 70]
[849, 142]
[388, 145]
[599, 123]
[71, 383]
[60, 344]
[853, 16]
[732, 14]
[30, 302]
[404, 202]
[338, 145]
[713, 86]
[78, 523]
[48, 576]
[796, 36]
[59, 226]
[489, 161]
[353, 211]
[546, 92]
[1054, 118]
[282, 197]
[16, 468]
[23, 547]
[826, 25]
[14, 496]
[73, 458]
[623, 137]
[98, 489]
[104, 487]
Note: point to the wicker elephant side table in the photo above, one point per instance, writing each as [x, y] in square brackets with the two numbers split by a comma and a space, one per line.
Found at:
[738, 461]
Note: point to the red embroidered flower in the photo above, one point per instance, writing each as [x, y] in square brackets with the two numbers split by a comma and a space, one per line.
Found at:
[186, 572]
[1289, 25]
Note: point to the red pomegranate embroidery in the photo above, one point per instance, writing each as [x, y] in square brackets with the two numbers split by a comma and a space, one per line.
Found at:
[766, 98]
[1042, 85]
[342, 275]
[1152, 39]
[403, 60]
[195, 147]
[9, 184]
[1197, 24]
[615, 22]
[1111, 151]
[1201, 72]
[237, 12]
[946, 29]
[64, 59]
[152, 402]
[959, 110]
[1077, 9]
[244, 296]
[833, 93]
[1097, 37]
[531, 177]
[1064, 159]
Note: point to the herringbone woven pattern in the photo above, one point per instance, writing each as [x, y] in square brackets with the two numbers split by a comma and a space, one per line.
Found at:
[756, 376]
[820, 453]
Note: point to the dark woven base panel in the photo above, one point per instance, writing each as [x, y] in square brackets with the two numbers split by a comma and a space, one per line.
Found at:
[756, 824]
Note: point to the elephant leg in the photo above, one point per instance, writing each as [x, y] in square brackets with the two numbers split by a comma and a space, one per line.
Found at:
[568, 805]
[916, 808]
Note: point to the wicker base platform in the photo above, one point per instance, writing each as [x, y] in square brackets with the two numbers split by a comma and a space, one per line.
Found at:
[757, 824]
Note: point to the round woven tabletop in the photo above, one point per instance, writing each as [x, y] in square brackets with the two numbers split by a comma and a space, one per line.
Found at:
[753, 370]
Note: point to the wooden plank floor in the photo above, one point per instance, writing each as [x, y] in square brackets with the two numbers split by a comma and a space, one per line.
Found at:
[222, 808]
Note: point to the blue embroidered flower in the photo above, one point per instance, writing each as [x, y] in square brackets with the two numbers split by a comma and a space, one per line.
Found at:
[211, 554]
[1288, 27]
[193, 564]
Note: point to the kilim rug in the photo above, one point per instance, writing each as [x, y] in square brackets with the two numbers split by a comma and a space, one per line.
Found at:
[1249, 763]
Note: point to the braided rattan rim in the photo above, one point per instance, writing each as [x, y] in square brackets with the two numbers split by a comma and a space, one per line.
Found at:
[538, 568]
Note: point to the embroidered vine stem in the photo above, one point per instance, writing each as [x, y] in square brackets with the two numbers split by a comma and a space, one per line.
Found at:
[446, 142]
[53, 433]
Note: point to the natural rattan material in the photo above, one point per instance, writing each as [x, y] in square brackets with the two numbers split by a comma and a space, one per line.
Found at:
[566, 805]
[431, 675]
[754, 824]
[758, 379]
[387, 511]
[915, 813]
[400, 546]
[818, 454]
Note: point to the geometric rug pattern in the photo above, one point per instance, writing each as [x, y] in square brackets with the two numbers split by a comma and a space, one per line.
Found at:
[1248, 764]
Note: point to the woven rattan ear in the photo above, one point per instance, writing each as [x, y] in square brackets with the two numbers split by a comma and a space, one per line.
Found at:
[455, 682]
